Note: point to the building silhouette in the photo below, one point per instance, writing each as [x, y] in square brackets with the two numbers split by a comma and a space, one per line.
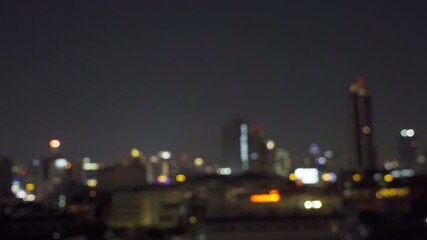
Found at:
[409, 148]
[5, 177]
[235, 143]
[362, 150]
[261, 158]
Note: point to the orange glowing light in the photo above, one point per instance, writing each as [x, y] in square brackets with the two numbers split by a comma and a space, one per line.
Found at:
[68, 166]
[272, 197]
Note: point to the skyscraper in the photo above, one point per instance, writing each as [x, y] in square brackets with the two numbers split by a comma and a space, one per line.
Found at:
[235, 140]
[362, 150]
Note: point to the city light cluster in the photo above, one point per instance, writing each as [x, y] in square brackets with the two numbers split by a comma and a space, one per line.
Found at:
[223, 171]
[392, 192]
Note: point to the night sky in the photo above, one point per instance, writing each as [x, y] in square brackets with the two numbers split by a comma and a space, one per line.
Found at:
[107, 76]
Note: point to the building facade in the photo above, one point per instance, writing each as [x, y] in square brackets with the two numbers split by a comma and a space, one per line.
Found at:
[362, 150]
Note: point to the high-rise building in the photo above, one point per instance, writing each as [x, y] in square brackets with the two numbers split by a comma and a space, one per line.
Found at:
[235, 140]
[261, 151]
[362, 150]
[409, 148]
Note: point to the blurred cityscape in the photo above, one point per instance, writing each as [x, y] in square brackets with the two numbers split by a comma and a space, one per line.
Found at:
[258, 190]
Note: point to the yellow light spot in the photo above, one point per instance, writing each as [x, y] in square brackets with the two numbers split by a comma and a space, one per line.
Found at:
[198, 161]
[162, 179]
[68, 166]
[357, 177]
[326, 177]
[92, 193]
[192, 219]
[30, 186]
[292, 177]
[92, 182]
[135, 153]
[378, 195]
[180, 178]
[366, 129]
[54, 143]
[388, 177]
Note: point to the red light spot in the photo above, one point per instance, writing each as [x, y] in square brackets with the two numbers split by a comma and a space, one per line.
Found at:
[22, 173]
[360, 81]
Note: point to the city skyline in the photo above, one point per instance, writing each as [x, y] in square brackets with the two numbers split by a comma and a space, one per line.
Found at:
[106, 78]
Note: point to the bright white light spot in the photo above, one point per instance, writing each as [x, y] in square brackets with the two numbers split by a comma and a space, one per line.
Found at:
[307, 175]
[166, 155]
[21, 194]
[308, 204]
[270, 144]
[15, 188]
[403, 132]
[317, 204]
[60, 163]
[410, 132]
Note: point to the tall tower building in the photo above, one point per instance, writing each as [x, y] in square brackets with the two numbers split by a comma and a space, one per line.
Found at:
[362, 150]
[235, 140]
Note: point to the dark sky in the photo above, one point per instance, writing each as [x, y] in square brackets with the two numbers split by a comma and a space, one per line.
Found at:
[107, 76]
